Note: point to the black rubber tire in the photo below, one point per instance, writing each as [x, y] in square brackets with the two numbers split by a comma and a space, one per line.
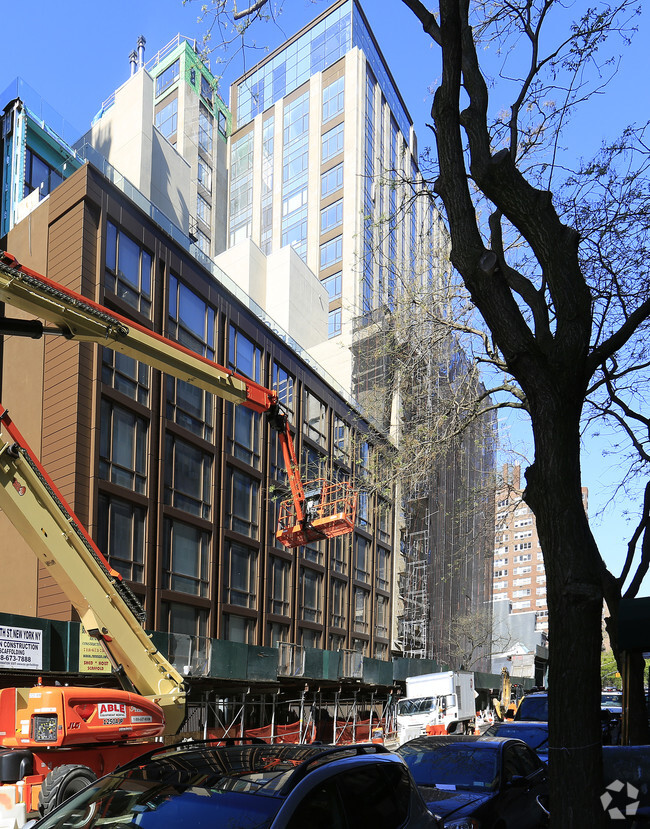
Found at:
[61, 783]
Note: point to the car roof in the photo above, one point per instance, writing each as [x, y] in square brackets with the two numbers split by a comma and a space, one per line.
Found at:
[431, 743]
[287, 763]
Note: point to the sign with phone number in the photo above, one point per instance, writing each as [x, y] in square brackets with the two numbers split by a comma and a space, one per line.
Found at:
[21, 648]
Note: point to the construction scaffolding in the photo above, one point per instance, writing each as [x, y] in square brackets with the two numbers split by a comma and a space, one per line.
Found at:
[414, 627]
[331, 717]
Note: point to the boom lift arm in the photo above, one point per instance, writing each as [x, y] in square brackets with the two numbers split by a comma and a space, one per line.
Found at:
[327, 510]
[108, 609]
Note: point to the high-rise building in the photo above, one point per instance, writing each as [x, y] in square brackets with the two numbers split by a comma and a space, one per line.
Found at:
[323, 158]
[321, 145]
[178, 95]
[519, 576]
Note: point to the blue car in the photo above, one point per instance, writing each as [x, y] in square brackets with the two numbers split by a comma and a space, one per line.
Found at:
[259, 786]
[477, 781]
[534, 734]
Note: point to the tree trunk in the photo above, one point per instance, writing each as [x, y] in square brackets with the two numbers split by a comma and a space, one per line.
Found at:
[638, 728]
[575, 602]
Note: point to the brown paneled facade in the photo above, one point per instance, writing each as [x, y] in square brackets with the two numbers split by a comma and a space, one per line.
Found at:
[178, 488]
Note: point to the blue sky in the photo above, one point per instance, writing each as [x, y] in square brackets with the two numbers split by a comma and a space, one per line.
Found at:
[75, 54]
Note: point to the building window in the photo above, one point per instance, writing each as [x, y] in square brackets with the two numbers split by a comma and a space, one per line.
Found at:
[310, 595]
[338, 603]
[188, 477]
[242, 508]
[266, 204]
[240, 576]
[361, 599]
[382, 571]
[121, 534]
[238, 629]
[295, 158]
[332, 143]
[204, 175]
[277, 633]
[190, 407]
[186, 558]
[315, 419]
[310, 638]
[243, 434]
[206, 89]
[126, 375]
[333, 99]
[203, 210]
[331, 252]
[167, 119]
[384, 515]
[336, 642]
[191, 322]
[128, 270]
[333, 285]
[202, 241]
[222, 123]
[381, 617]
[283, 385]
[39, 175]
[331, 180]
[363, 509]
[331, 216]
[280, 584]
[244, 356]
[205, 130]
[167, 77]
[339, 554]
[334, 323]
[122, 447]
[362, 554]
[184, 619]
[341, 441]
[381, 651]
[314, 551]
[241, 188]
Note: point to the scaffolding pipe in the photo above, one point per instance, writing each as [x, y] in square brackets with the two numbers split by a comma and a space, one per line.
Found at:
[275, 697]
[302, 716]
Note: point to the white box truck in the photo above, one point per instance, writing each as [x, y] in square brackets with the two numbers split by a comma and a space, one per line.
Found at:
[441, 703]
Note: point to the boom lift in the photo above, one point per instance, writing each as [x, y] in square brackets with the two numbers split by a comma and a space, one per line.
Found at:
[59, 738]
[322, 510]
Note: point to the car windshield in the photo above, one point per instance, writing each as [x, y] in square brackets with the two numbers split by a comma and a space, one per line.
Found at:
[422, 705]
[206, 788]
[454, 766]
[533, 708]
[533, 735]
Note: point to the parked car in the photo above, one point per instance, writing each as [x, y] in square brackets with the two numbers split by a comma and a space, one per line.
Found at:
[533, 733]
[200, 785]
[533, 707]
[471, 781]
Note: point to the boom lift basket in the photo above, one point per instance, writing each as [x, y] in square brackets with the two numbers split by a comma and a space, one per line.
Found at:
[330, 510]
